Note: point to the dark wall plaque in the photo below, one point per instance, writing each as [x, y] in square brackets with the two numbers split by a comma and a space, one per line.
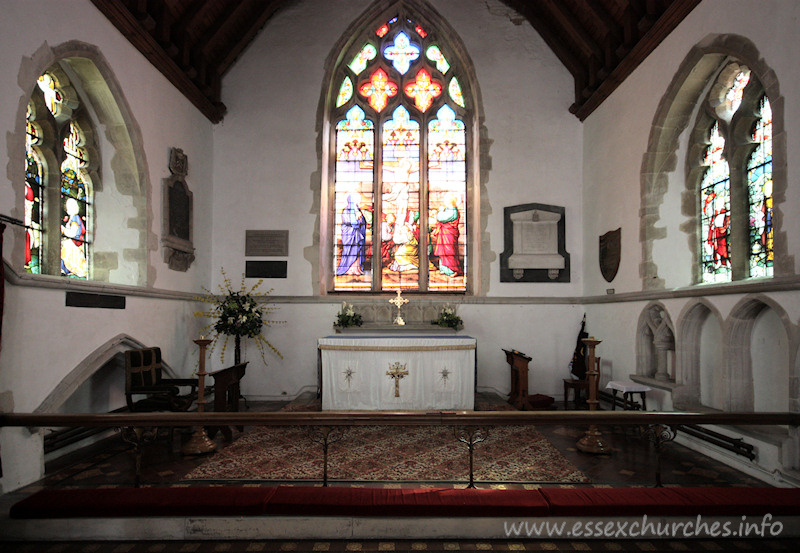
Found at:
[265, 269]
[104, 301]
[259, 243]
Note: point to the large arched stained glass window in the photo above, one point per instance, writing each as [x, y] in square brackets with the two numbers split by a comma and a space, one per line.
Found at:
[400, 175]
[735, 204]
[759, 187]
[57, 244]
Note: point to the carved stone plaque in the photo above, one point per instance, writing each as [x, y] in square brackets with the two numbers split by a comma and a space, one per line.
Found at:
[610, 253]
[535, 248]
[260, 243]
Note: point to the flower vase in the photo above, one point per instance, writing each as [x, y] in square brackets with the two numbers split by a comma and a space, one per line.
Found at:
[237, 350]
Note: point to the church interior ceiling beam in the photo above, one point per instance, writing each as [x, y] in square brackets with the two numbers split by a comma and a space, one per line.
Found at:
[194, 43]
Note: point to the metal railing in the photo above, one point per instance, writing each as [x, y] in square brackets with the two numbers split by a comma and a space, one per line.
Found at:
[470, 427]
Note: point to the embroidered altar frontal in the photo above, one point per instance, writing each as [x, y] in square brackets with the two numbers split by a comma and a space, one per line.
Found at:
[397, 373]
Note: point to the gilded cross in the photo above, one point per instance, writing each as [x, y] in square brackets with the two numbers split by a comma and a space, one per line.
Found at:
[399, 301]
[397, 372]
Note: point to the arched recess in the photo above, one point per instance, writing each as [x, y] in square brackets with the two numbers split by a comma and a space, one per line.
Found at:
[319, 253]
[122, 234]
[672, 116]
[738, 351]
[84, 370]
[700, 363]
[655, 343]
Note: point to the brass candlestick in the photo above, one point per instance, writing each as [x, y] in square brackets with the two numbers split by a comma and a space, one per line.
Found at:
[593, 441]
[200, 443]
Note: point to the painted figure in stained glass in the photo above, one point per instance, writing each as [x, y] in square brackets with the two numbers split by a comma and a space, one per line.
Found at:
[73, 241]
[387, 238]
[445, 236]
[354, 232]
[406, 238]
[33, 189]
[718, 229]
[759, 185]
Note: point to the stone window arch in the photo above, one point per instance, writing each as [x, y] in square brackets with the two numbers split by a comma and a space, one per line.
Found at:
[118, 219]
[700, 77]
[730, 167]
[655, 344]
[400, 180]
[61, 169]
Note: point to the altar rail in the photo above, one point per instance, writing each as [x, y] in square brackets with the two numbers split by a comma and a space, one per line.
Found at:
[658, 427]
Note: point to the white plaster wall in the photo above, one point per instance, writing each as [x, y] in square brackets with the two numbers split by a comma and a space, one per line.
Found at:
[43, 340]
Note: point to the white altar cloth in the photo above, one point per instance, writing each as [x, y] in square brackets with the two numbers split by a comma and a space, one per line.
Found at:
[441, 372]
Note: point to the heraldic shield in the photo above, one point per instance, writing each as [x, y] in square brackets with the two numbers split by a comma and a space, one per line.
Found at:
[610, 253]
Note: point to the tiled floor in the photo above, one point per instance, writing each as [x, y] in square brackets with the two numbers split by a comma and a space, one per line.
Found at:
[632, 462]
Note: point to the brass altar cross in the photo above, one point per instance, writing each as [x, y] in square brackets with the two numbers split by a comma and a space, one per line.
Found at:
[397, 372]
[399, 301]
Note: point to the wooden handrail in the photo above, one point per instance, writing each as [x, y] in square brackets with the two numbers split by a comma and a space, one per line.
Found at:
[407, 418]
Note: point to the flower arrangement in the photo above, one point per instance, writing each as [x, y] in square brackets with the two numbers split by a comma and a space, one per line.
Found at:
[448, 318]
[347, 316]
[237, 313]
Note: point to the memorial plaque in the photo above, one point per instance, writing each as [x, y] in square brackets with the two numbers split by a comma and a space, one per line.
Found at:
[259, 243]
[265, 269]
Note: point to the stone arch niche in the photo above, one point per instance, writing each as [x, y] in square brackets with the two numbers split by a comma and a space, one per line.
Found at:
[655, 344]
[699, 356]
[759, 316]
[673, 115]
[120, 251]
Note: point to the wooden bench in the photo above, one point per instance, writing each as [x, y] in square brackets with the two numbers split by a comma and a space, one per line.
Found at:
[144, 380]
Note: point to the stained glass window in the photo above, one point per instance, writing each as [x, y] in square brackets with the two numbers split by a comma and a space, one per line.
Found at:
[72, 189]
[353, 193]
[715, 204]
[34, 178]
[406, 192]
[345, 92]
[759, 188]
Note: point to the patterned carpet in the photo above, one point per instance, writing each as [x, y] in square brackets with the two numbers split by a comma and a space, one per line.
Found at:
[390, 453]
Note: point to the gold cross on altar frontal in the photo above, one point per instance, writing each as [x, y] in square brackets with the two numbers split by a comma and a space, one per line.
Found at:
[399, 301]
[397, 372]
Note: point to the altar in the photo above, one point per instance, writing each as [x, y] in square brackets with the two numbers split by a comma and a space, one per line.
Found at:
[391, 373]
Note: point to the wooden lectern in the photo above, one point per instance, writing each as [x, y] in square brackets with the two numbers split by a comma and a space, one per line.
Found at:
[519, 396]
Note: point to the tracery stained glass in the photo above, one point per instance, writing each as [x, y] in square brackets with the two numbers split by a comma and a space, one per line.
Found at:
[400, 189]
[715, 212]
[382, 30]
[424, 90]
[52, 96]
[759, 187]
[353, 199]
[345, 92]
[378, 90]
[359, 63]
[401, 53]
[735, 92]
[455, 92]
[434, 54]
[34, 175]
[447, 191]
[74, 197]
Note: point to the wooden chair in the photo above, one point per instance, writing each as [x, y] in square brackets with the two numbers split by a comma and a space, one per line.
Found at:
[143, 378]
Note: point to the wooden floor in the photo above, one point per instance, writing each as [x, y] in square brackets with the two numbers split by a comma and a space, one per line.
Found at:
[632, 462]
